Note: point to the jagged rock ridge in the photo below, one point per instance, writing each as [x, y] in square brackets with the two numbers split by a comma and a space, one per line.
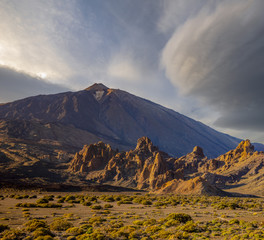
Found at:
[146, 167]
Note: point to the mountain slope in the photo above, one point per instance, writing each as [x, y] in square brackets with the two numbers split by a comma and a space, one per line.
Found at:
[115, 117]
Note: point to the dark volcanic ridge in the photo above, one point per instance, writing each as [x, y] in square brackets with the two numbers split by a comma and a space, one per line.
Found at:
[113, 116]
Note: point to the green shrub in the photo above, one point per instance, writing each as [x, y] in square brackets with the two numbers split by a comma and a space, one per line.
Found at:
[150, 222]
[75, 231]
[181, 217]
[34, 224]
[72, 199]
[42, 232]
[91, 236]
[49, 205]
[138, 222]
[234, 221]
[49, 197]
[96, 207]
[190, 227]
[13, 234]
[171, 222]
[146, 202]
[26, 205]
[109, 199]
[86, 226]
[124, 202]
[108, 205]
[33, 196]
[18, 197]
[87, 203]
[42, 200]
[153, 229]
[61, 200]
[40, 205]
[96, 220]
[60, 224]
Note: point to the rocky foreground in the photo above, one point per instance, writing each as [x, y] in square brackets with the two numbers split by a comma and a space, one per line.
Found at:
[239, 171]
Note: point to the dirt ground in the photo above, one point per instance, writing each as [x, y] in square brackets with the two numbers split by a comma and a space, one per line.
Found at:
[201, 210]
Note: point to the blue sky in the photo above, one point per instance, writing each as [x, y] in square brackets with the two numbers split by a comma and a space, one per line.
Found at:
[202, 58]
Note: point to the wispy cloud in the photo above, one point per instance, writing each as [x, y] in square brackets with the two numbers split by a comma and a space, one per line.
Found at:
[124, 69]
[217, 56]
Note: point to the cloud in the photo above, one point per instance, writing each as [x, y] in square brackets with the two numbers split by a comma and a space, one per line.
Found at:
[217, 56]
[16, 85]
[51, 36]
[174, 13]
[124, 68]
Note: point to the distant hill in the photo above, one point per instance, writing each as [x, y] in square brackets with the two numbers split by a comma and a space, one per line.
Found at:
[113, 116]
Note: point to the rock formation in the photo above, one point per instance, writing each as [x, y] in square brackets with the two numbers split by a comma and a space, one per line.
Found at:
[242, 151]
[92, 157]
[191, 162]
[147, 168]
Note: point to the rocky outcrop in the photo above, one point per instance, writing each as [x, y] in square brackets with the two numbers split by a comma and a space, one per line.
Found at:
[92, 157]
[242, 151]
[144, 167]
[144, 145]
[147, 168]
[191, 162]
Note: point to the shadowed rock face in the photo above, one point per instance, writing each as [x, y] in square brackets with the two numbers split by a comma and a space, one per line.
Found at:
[113, 116]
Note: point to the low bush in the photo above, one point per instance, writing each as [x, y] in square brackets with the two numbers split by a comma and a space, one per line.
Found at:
[60, 224]
[75, 231]
[108, 206]
[181, 217]
[96, 207]
[87, 203]
[13, 234]
[42, 200]
[42, 232]
[146, 202]
[34, 224]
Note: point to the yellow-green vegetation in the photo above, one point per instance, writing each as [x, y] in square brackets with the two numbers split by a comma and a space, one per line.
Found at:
[130, 216]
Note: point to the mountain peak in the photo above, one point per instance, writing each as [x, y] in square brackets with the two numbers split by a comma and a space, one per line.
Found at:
[97, 87]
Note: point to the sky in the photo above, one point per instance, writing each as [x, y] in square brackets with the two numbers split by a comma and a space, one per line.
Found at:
[202, 58]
